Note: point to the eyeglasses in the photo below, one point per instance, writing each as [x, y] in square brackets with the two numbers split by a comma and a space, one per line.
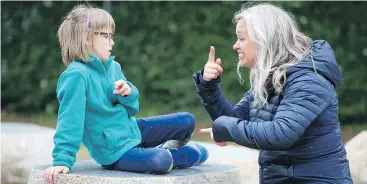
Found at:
[106, 35]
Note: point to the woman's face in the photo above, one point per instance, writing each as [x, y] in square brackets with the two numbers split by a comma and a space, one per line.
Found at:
[247, 49]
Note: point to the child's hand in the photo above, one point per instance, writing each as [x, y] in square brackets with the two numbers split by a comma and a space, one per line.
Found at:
[52, 172]
[122, 88]
[209, 131]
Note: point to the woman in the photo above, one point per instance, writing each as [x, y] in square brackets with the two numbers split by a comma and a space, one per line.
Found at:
[291, 111]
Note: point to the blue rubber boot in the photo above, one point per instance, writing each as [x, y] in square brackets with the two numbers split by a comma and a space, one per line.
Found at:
[204, 153]
[185, 156]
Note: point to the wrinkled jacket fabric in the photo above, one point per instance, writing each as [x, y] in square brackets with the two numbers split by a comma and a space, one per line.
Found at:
[298, 132]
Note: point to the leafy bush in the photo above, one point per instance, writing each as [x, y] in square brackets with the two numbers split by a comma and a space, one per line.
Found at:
[161, 44]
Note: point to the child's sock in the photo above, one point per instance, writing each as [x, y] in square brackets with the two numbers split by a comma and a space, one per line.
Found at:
[175, 143]
[185, 156]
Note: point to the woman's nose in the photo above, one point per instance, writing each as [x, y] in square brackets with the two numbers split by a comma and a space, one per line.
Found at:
[235, 46]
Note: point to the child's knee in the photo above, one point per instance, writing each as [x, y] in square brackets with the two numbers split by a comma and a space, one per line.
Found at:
[189, 120]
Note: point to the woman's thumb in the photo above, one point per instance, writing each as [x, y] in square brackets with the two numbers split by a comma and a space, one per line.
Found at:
[218, 62]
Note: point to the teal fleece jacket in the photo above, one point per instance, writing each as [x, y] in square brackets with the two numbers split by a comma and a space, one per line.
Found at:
[90, 113]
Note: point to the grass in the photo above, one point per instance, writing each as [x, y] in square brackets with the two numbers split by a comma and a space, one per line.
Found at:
[351, 130]
[49, 120]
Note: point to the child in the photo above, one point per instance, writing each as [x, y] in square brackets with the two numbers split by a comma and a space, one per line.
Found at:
[98, 104]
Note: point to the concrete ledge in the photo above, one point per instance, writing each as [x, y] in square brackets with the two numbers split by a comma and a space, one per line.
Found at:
[356, 153]
[245, 158]
[90, 172]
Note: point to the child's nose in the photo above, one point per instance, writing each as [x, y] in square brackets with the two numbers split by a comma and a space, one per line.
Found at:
[112, 43]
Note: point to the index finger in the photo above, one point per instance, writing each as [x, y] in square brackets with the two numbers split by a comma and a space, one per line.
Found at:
[211, 54]
[206, 130]
[119, 83]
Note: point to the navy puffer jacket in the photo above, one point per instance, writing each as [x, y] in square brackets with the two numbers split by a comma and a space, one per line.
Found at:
[298, 133]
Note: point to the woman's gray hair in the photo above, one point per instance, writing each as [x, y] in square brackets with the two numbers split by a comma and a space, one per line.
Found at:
[280, 44]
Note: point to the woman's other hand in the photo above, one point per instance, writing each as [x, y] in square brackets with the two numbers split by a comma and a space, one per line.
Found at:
[209, 131]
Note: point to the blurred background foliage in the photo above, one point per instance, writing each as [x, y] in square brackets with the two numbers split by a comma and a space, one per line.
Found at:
[161, 44]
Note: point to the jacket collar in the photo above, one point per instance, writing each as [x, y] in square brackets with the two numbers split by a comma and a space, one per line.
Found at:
[98, 65]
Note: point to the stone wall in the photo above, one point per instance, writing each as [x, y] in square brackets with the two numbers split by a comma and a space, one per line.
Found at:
[357, 156]
[23, 147]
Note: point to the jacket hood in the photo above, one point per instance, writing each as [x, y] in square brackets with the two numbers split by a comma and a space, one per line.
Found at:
[324, 62]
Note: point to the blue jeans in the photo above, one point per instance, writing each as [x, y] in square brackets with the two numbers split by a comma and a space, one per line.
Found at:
[146, 157]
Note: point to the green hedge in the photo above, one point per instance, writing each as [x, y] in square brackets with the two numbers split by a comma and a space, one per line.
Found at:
[161, 44]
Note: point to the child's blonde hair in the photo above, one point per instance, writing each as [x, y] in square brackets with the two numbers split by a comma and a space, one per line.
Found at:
[77, 30]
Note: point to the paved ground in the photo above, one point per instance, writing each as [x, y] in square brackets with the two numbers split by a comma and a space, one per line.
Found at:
[228, 153]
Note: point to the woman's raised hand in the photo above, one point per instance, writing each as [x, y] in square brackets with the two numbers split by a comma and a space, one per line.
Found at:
[212, 68]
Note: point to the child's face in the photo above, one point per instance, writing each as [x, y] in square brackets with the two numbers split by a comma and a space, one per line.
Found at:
[103, 43]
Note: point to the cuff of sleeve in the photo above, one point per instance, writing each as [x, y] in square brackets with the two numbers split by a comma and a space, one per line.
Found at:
[220, 131]
[63, 160]
[208, 83]
[62, 163]
[198, 77]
